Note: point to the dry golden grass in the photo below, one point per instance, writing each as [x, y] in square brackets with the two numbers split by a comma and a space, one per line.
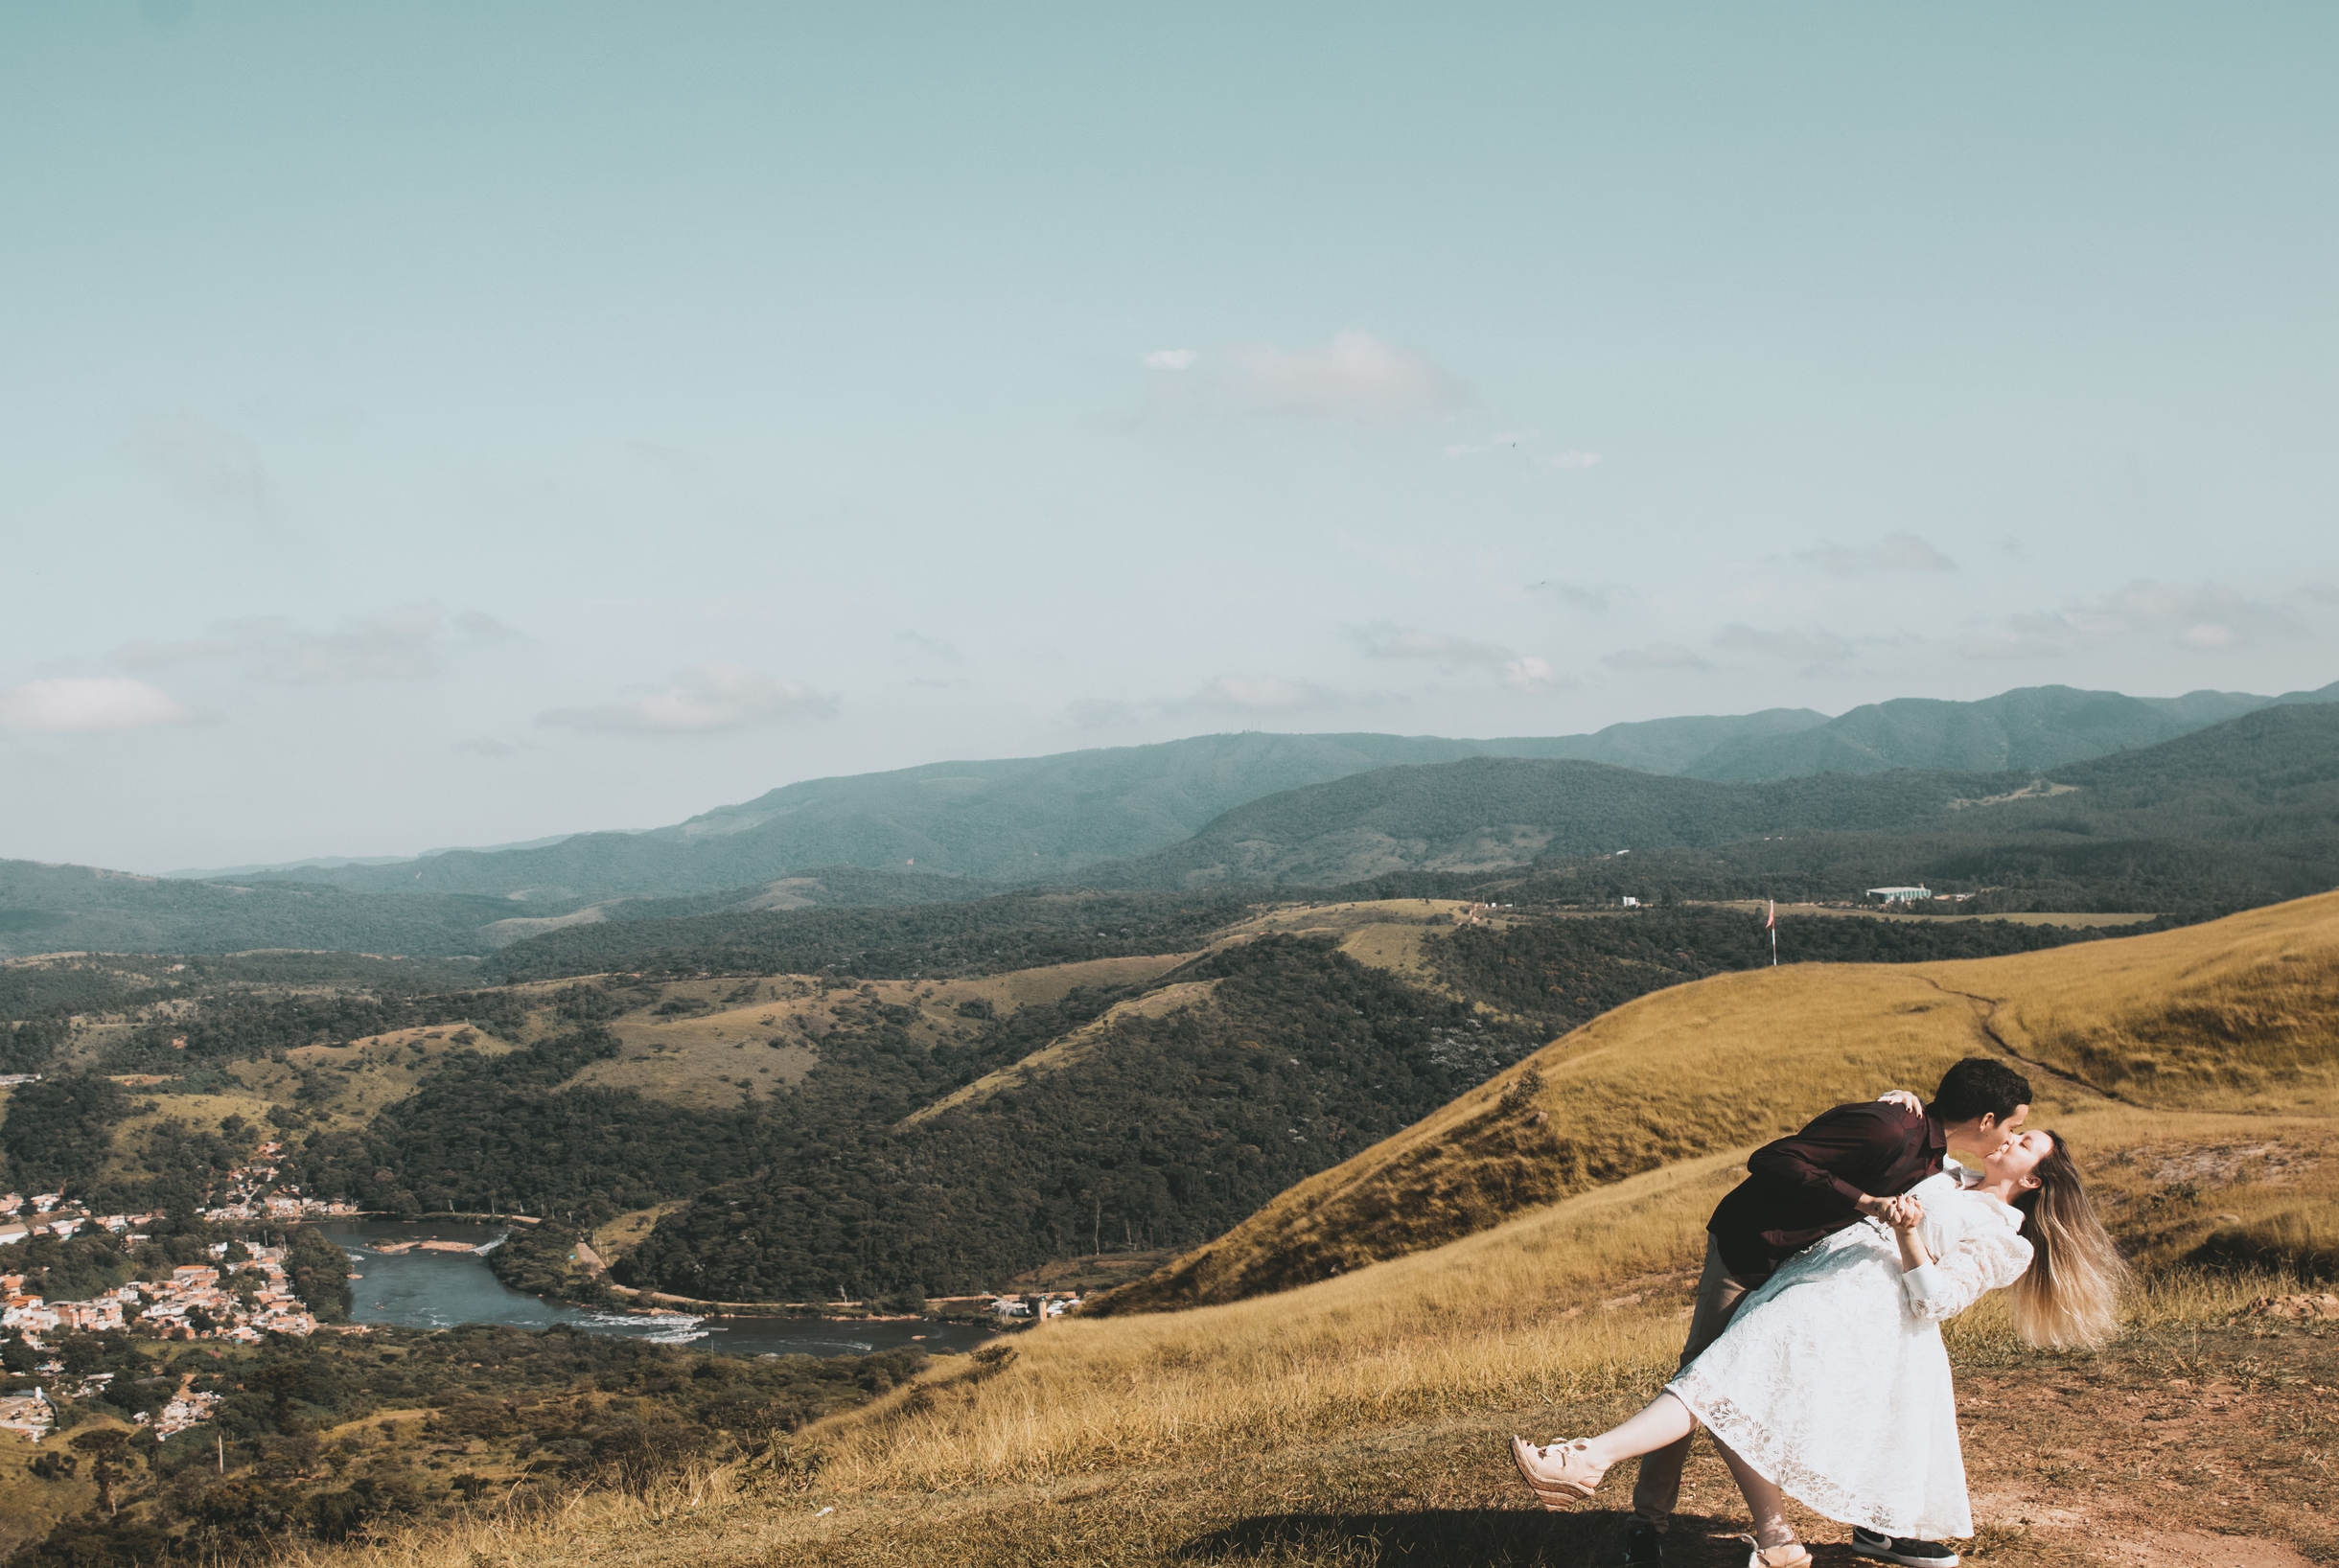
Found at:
[29, 1505]
[1740, 1058]
[1317, 1427]
[2241, 1014]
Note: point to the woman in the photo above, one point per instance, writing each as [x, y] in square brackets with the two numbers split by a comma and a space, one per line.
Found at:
[1831, 1384]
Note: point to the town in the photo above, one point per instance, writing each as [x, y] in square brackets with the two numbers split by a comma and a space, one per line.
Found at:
[242, 1296]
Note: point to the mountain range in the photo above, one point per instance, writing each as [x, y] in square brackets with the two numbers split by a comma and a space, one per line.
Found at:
[1315, 810]
[1036, 818]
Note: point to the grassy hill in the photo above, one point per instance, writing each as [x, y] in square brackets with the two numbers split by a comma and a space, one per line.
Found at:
[2237, 1015]
[1359, 1417]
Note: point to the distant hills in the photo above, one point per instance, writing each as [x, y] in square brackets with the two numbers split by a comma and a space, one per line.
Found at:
[1029, 820]
[2268, 778]
[78, 909]
[1021, 820]
[1315, 810]
[2036, 727]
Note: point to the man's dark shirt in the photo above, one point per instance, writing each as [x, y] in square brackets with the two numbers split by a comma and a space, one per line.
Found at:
[1809, 1186]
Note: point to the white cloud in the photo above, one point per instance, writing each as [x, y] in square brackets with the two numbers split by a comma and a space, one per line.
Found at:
[1894, 552]
[1172, 360]
[1657, 655]
[1812, 650]
[487, 747]
[1356, 376]
[2204, 618]
[67, 705]
[1572, 460]
[200, 462]
[711, 695]
[409, 643]
[1527, 671]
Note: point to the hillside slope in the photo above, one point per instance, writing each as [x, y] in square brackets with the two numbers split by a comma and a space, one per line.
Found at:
[2240, 1014]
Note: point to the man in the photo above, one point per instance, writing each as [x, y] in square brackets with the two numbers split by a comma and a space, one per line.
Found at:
[1849, 1163]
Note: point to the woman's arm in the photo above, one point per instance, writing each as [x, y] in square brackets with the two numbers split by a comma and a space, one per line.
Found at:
[1906, 1216]
[1985, 1258]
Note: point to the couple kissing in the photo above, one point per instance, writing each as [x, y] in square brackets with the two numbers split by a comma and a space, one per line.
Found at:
[1815, 1355]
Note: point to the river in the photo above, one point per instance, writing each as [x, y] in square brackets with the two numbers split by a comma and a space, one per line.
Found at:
[441, 1289]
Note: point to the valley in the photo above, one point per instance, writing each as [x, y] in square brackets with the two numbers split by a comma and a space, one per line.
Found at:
[1371, 1107]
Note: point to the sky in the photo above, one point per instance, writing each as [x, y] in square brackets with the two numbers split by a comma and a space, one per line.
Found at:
[455, 423]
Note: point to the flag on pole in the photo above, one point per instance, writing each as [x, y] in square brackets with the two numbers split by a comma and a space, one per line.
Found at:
[1770, 923]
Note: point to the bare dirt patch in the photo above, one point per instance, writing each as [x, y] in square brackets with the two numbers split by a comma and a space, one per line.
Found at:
[2224, 1165]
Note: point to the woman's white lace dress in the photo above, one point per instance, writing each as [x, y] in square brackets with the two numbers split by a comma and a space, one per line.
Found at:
[1832, 1380]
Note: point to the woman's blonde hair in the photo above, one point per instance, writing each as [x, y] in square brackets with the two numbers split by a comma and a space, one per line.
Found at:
[2069, 1298]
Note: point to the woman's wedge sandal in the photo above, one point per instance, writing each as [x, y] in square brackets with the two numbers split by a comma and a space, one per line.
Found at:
[1559, 1473]
[1761, 1556]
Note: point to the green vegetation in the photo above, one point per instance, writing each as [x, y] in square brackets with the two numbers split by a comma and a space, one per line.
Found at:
[55, 909]
[484, 1131]
[1162, 1130]
[542, 1260]
[338, 1438]
[2242, 813]
[57, 1131]
[2034, 727]
[993, 936]
[1017, 820]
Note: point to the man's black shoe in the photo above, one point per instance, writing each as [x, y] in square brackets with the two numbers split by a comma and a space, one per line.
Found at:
[1901, 1548]
[1643, 1544]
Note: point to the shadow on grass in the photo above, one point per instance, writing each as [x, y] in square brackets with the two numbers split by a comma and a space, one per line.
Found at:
[1466, 1538]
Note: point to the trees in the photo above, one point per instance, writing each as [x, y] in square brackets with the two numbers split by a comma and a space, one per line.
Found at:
[103, 1446]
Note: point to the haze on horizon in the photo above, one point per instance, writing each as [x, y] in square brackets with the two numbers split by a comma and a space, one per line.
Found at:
[449, 425]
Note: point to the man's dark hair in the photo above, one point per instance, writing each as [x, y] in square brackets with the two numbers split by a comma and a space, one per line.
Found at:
[1979, 1086]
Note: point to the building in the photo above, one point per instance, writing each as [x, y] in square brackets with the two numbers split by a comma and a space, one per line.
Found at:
[1900, 895]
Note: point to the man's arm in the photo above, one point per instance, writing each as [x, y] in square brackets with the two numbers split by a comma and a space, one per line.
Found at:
[1850, 1138]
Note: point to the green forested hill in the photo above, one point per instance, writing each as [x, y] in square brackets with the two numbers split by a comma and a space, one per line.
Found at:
[1021, 820]
[2035, 726]
[1282, 809]
[71, 909]
[1011, 930]
[2251, 805]
[1494, 813]
[1037, 818]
